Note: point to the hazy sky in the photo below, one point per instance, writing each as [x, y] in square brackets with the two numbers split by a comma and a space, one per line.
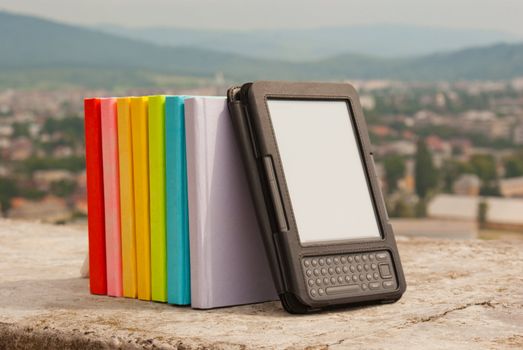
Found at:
[502, 15]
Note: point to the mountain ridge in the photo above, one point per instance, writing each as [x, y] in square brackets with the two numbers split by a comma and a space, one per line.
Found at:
[384, 40]
[31, 44]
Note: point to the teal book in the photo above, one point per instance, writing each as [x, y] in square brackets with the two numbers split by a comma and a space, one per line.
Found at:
[177, 213]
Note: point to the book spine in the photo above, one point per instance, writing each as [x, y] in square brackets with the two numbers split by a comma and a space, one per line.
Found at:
[111, 196]
[197, 199]
[127, 225]
[156, 122]
[141, 195]
[177, 208]
[181, 212]
[95, 201]
[170, 193]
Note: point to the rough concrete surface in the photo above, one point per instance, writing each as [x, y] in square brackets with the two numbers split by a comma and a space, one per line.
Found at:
[461, 294]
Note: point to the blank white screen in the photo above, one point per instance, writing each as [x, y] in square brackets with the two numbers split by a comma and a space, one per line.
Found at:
[325, 176]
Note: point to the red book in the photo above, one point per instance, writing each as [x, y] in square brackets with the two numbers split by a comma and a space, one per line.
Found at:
[95, 196]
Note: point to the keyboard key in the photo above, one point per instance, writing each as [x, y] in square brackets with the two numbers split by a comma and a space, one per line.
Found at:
[388, 284]
[374, 285]
[381, 256]
[352, 288]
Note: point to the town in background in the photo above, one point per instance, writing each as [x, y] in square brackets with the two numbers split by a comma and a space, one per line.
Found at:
[449, 156]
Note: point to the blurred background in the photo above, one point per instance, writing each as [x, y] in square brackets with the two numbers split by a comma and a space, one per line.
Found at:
[441, 83]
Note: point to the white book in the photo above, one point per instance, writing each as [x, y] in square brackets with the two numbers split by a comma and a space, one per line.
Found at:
[228, 261]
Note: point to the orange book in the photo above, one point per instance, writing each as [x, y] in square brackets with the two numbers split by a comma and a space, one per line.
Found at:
[125, 158]
[139, 126]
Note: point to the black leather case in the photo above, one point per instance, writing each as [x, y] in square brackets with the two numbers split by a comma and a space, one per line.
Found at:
[291, 262]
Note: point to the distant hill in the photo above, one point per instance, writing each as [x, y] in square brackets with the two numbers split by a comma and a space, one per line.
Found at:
[34, 51]
[391, 41]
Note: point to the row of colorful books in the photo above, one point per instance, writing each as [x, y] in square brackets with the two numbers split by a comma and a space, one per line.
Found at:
[169, 212]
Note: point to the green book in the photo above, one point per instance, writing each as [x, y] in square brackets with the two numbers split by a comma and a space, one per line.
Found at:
[157, 198]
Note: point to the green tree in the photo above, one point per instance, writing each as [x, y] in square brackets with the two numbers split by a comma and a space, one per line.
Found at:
[402, 209]
[514, 166]
[482, 213]
[8, 190]
[20, 129]
[63, 188]
[425, 172]
[394, 170]
[484, 165]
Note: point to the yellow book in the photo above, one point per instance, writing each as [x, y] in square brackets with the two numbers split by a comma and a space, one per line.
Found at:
[139, 126]
[125, 159]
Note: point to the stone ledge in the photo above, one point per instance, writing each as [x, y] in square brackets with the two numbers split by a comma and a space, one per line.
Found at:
[461, 294]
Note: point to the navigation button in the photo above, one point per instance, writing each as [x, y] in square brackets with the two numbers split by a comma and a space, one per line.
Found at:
[385, 271]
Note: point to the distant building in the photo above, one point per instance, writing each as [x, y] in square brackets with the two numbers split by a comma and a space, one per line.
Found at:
[435, 228]
[402, 147]
[484, 122]
[467, 185]
[455, 207]
[44, 178]
[49, 209]
[502, 213]
[20, 149]
[518, 134]
[367, 102]
[512, 187]
[505, 213]
[382, 130]
[63, 152]
[440, 149]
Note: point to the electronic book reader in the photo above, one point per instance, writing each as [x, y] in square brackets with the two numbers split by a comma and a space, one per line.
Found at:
[323, 221]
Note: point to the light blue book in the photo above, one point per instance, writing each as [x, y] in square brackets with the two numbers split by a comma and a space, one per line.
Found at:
[178, 256]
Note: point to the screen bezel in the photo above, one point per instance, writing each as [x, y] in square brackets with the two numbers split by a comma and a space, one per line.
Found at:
[357, 137]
